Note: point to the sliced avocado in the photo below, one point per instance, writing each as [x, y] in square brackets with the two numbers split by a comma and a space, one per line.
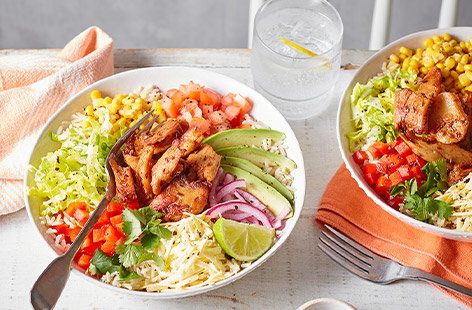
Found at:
[236, 137]
[257, 156]
[268, 195]
[258, 172]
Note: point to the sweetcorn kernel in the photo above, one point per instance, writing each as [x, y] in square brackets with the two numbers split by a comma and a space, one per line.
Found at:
[447, 37]
[394, 58]
[94, 94]
[428, 42]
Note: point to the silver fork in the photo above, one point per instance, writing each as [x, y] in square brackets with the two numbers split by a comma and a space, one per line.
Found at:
[48, 288]
[372, 267]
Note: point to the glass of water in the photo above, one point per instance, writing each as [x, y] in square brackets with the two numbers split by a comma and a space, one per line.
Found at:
[296, 55]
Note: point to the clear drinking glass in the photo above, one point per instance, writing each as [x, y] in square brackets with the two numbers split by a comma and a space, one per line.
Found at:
[296, 83]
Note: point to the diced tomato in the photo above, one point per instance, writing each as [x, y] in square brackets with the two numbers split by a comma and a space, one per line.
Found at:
[170, 107]
[383, 183]
[381, 167]
[209, 97]
[217, 118]
[98, 234]
[176, 96]
[206, 109]
[360, 157]
[84, 220]
[403, 149]
[244, 103]
[114, 208]
[393, 161]
[232, 111]
[395, 202]
[396, 178]
[84, 260]
[405, 172]
[194, 95]
[133, 205]
[80, 214]
[374, 152]
[61, 229]
[245, 125]
[370, 178]
[370, 168]
[200, 123]
[73, 233]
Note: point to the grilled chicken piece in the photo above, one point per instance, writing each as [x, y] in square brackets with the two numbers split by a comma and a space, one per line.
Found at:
[432, 150]
[124, 181]
[411, 111]
[169, 165]
[447, 120]
[205, 162]
[143, 169]
[131, 161]
[161, 139]
[431, 85]
[466, 100]
[458, 172]
[182, 195]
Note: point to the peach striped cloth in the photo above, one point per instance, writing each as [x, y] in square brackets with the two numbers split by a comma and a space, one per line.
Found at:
[32, 88]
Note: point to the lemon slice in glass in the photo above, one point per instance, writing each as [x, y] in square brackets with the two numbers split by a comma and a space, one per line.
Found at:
[242, 241]
[297, 47]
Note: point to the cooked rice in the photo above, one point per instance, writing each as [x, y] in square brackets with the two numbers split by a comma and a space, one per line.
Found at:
[193, 258]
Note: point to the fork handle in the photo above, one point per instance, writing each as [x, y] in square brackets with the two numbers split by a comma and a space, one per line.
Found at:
[416, 274]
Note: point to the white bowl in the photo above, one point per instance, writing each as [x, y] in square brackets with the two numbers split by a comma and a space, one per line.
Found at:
[166, 78]
[370, 69]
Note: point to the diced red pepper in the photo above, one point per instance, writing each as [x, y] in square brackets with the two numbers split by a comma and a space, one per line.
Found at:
[80, 214]
[370, 168]
[114, 208]
[98, 234]
[393, 161]
[374, 152]
[403, 149]
[384, 148]
[405, 172]
[84, 260]
[117, 221]
[370, 178]
[360, 157]
[383, 183]
[73, 233]
[104, 219]
[395, 202]
[62, 229]
[133, 205]
[396, 178]
[416, 171]
[381, 167]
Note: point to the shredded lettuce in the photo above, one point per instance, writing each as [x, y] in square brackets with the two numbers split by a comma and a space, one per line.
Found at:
[76, 170]
[372, 108]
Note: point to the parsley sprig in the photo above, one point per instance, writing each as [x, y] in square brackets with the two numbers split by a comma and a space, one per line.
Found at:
[419, 200]
[143, 234]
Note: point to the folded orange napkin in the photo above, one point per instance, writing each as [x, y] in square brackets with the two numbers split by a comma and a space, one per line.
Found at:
[32, 88]
[347, 208]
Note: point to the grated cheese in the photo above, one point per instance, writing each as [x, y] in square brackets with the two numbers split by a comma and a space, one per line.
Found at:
[192, 257]
[460, 197]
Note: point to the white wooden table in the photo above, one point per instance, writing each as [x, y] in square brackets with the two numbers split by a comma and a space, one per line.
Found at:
[298, 272]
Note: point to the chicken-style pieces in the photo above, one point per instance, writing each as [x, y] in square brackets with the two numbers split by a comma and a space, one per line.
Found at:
[161, 138]
[412, 109]
[448, 121]
[124, 181]
[205, 162]
[182, 195]
[169, 165]
[458, 173]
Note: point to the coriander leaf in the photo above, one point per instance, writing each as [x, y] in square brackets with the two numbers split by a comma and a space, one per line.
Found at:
[146, 214]
[150, 241]
[131, 226]
[397, 189]
[103, 263]
[444, 209]
[126, 275]
[152, 256]
[129, 254]
[158, 230]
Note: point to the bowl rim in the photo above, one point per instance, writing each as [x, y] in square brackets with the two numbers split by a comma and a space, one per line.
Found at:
[200, 290]
[430, 228]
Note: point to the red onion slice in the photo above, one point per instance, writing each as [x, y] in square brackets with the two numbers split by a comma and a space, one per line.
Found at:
[221, 208]
[212, 195]
[229, 188]
[235, 215]
[228, 178]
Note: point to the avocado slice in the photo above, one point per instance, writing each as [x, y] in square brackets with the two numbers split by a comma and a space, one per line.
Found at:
[257, 156]
[268, 195]
[236, 137]
[258, 172]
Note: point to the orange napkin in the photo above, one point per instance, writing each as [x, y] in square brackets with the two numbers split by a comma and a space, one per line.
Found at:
[347, 208]
[32, 88]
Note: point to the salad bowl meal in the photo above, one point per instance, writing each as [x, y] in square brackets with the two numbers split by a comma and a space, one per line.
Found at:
[204, 195]
[404, 130]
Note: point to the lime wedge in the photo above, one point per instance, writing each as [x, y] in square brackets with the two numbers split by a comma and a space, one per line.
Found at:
[297, 47]
[244, 242]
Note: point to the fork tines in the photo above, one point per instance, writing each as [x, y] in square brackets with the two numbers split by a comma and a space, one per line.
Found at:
[346, 252]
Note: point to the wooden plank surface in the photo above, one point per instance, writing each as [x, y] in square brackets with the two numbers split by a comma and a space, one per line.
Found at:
[298, 272]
